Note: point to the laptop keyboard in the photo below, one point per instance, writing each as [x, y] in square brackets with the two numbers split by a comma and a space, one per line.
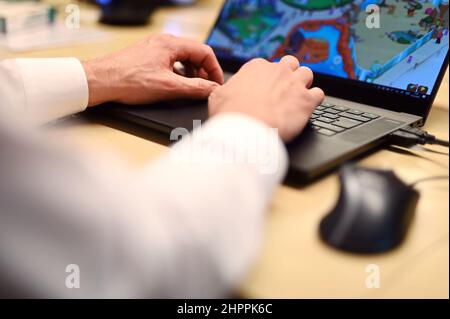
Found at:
[329, 119]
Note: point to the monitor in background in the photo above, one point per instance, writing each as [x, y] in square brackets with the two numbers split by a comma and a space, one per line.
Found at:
[340, 38]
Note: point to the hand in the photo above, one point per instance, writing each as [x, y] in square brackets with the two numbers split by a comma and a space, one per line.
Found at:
[278, 94]
[145, 73]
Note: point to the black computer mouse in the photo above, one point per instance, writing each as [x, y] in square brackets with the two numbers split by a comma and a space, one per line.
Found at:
[373, 212]
[129, 12]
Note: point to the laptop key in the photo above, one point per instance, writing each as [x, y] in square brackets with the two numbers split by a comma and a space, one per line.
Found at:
[326, 104]
[326, 132]
[340, 108]
[325, 120]
[355, 117]
[321, 108]
[346, 123]
[331, 116]
[356, 112]
[314, 116]
[370, 115]
[331, 127]
[318, 112]
[332, 111]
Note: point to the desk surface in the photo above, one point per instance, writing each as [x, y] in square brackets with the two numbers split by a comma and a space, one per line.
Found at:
[294, 263]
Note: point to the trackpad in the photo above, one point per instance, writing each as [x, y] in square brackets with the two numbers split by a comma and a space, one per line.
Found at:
[372, 130]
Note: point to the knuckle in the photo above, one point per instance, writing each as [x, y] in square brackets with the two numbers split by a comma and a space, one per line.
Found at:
[250, 64]
[167, 39]
[208, 49]
[307, 72]
[167, 36]
[200, 86]
[161, 40]
[291, 58]
[307, 69]
[258, 61]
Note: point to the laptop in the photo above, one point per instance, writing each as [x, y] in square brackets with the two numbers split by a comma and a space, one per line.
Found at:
[377, 78]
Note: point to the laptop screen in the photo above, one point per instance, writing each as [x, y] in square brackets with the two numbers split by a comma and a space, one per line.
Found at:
[395, 45]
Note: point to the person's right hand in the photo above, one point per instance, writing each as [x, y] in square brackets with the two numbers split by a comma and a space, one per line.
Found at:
[277, 94]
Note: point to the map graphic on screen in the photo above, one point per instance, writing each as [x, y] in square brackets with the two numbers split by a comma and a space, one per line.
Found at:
[332, 37]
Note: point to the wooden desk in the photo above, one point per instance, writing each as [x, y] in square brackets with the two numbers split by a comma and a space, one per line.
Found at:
[294, 263]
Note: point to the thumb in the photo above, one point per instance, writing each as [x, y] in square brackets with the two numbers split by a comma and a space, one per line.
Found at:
[196, 88]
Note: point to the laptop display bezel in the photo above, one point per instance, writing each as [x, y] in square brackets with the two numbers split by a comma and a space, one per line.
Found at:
[353, 90]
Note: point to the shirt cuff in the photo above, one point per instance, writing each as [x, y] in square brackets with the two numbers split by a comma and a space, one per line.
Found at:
[236, 139]
[54, 88]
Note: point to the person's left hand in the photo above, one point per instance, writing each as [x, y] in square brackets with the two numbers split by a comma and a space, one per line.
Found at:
[145, 73]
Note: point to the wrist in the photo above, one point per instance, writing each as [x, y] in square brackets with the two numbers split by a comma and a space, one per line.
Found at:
[98, 82]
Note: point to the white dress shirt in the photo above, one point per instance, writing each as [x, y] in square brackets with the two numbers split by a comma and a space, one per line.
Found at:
[187, 225]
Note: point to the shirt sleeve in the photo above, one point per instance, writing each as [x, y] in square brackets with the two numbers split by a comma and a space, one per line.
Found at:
[189, 225]
[219, 182]
[37, 91]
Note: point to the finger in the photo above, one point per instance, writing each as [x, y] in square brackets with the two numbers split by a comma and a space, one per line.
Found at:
[200, 55]
[203, 74]
[305, 75]
[317, 95]
[191, 71]
[195, 88]
[291, 61]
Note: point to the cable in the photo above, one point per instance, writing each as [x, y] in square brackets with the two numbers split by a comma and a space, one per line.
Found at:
[426, 179]
[405, 139]
[429, 138]
[410, 136]
[437, 141]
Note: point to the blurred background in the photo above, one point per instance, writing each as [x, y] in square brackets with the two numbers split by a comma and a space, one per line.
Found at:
[91, 28]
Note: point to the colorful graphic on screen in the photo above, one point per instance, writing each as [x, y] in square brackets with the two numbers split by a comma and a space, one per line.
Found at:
[332, 37]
